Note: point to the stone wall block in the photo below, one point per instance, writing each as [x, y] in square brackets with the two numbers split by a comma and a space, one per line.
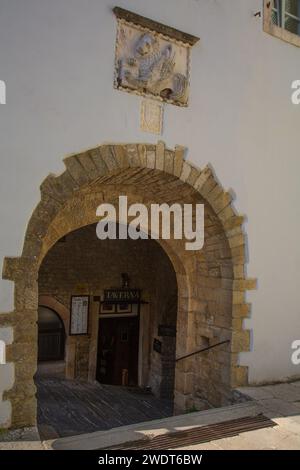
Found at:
[245, 284]
[20, 268]
[241, 310]
[239, 376]
[240, 341]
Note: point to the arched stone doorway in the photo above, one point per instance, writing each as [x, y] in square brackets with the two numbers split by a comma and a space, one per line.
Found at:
[51, 335]
[211, 283]
[81, 264]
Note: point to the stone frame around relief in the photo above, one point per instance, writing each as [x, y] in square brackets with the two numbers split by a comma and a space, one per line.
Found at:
[149, 63]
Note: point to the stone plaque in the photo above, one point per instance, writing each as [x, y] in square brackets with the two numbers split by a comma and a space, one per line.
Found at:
[150, 62]
[152, 117]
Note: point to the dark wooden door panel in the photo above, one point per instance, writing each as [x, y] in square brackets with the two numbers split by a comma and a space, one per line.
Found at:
[118, 342]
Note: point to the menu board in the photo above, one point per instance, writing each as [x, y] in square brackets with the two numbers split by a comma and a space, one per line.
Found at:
[79, 315]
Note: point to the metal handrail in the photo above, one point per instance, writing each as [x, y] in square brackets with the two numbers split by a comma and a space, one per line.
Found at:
[202, 350]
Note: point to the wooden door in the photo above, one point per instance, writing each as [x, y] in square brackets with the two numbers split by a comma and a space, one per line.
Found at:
[118, 342]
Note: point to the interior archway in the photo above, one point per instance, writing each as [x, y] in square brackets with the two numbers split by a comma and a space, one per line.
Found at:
[211, 283]
[51, 335]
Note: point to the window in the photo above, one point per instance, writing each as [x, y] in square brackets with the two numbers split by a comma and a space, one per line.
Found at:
[282, 19]
[286, 14]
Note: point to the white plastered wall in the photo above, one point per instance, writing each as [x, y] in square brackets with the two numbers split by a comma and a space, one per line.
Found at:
[57, 60]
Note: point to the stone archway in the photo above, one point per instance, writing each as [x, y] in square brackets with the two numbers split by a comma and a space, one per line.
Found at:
[211, 284]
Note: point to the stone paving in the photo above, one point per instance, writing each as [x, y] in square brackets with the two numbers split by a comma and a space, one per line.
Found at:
[21, 439]
[70, 407]
[281, 403]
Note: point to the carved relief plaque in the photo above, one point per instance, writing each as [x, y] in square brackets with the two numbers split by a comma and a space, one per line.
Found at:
[149, 62]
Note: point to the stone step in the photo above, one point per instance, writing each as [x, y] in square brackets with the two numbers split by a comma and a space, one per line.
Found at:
[135, 432]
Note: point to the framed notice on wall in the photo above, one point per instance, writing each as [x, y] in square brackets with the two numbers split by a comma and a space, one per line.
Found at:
[79, 315]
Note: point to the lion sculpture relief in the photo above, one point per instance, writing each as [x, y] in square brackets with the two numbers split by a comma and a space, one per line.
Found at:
[151, 70]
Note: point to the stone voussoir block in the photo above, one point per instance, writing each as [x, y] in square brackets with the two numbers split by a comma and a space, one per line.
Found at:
[205, 174]
[214, 193]
[108, 157]
[95, 155]
[233, 222]
[193, 176]
[236, 240]
[133, 155]
[64, 186]
[42, 217]
[208, 186]
[185, 171]
[178, 160]
[58, 188]
[169, 162]
[151, 158]
[89, 165]
[226, 214]
[160, 156]
[222, 201]
[238, 255]
[142, 149]
[76, 170]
